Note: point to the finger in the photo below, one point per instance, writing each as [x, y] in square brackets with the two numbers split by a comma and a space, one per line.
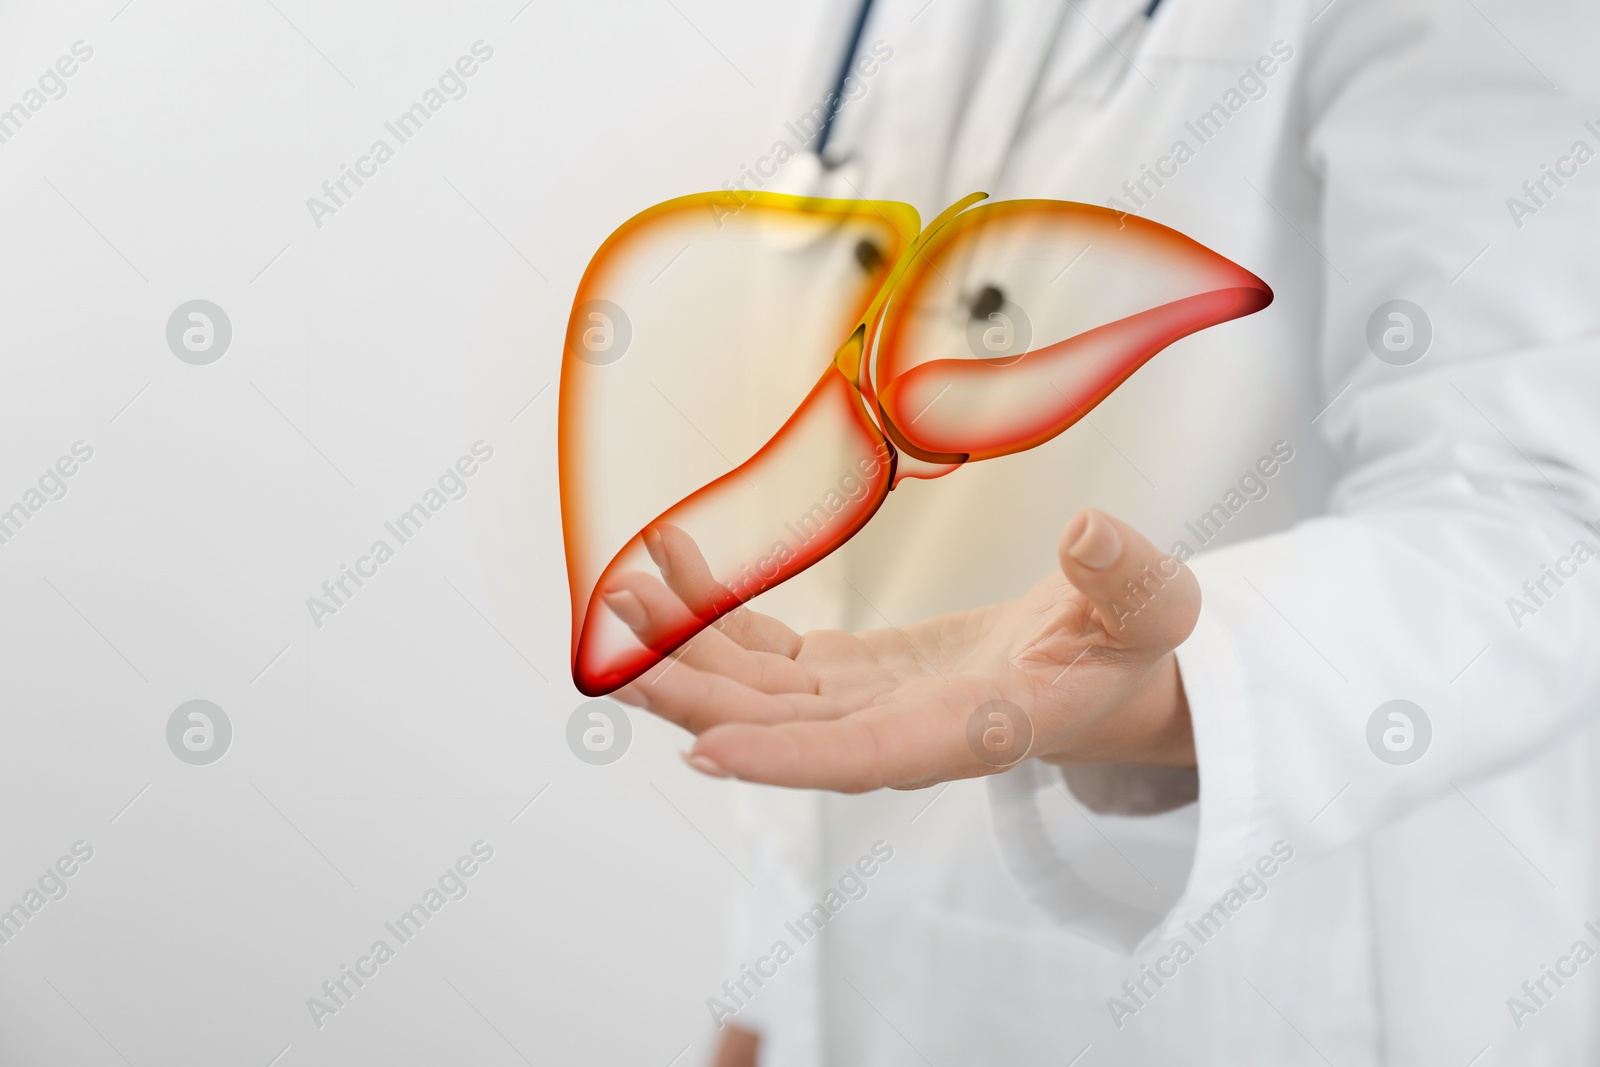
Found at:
[1147, 600]
[739, 1047]
[657, 618]
[896, 744]
[686, 573]
[698, 700]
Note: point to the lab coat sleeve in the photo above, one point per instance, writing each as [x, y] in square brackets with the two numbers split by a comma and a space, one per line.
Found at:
[1455, 568]
[780, 835]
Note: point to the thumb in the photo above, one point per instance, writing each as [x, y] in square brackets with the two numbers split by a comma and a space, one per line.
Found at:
[1146, 600]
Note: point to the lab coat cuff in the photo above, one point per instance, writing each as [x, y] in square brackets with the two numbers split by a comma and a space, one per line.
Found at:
[1066, 863]
[1217, 684]
[1128, 880]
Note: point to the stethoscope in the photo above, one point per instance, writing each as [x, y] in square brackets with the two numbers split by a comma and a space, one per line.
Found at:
[852, 49]
[988, 299]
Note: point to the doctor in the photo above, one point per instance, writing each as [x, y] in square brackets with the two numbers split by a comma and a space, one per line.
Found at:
[1322, 796]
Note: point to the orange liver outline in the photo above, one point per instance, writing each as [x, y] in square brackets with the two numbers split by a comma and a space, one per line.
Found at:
[868, 374]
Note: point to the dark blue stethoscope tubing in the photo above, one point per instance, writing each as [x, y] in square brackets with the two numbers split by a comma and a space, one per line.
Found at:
[856, 32]
[836, 98]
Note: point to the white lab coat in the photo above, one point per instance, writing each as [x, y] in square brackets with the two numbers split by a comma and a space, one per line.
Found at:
[1375, 165]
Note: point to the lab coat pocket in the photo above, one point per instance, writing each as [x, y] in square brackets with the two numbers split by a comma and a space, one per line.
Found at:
[1012, 994]
[1026, 992]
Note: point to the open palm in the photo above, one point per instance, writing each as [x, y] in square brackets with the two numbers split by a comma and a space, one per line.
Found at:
[1078, 670]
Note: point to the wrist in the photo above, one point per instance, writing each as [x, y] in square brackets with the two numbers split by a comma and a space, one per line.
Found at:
[1167, 739]
[1150, 727]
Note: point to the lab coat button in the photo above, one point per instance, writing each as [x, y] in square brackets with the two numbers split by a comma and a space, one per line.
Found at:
[869, 255]
[989, 300]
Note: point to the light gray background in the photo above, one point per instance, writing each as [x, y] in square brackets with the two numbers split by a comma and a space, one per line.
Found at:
[367, 355]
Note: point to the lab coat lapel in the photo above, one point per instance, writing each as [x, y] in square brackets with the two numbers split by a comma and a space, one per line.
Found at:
[988, 118]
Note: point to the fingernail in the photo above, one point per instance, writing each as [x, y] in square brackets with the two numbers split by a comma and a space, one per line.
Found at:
[657, 550]
[1098, 546]
[705, 765]
[627, 607]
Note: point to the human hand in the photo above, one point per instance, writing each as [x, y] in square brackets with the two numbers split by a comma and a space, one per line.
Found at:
[737, 1048]
[1079, 670]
